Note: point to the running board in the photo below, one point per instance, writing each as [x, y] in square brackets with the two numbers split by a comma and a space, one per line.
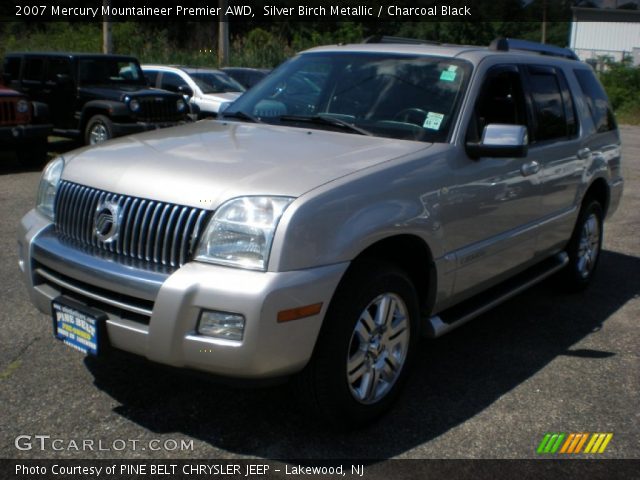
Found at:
[454, 317]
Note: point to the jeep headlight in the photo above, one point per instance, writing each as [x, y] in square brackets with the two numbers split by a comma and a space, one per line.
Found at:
[180, 105]
[22, 106]
[241, 232]
[134, 105]
[49, 186]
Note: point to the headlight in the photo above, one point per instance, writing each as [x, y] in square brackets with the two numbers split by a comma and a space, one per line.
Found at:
[49, 186]
[134, 105]
[22, 106]
[180, 105]
[241, 232]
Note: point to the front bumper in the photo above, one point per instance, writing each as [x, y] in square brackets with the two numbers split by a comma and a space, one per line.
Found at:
[20, 134]
[172, 302]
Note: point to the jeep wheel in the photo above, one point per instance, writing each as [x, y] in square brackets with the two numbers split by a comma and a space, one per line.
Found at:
[99, 129]
[364, 348]
[584, 247]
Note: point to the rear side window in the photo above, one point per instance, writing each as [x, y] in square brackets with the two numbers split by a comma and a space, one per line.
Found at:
[57, 66]
[33, 69]
[596, 100]
[550, 115]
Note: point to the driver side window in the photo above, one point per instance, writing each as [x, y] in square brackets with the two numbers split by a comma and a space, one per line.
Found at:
[501, 100]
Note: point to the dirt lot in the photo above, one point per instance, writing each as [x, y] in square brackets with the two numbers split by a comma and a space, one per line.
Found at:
[543, 362]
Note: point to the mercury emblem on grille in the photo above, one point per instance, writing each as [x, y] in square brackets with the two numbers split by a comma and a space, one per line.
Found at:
[106, 221]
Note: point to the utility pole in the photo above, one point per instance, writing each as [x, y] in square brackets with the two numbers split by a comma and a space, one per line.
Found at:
[107, 41]
[223, 35]
[544, 22]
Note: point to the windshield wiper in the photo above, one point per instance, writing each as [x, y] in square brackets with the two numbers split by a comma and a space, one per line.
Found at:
[240, 115]
[325, 120]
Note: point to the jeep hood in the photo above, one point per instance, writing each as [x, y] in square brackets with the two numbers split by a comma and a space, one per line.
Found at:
[119, 92]
[221, 97]
[209, 162]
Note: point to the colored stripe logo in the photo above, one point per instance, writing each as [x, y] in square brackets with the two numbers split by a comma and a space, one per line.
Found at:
[572, 443]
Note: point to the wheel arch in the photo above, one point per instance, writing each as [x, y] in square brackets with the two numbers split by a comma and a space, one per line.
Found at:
[411, 254]
[598, 190]
[107, 108]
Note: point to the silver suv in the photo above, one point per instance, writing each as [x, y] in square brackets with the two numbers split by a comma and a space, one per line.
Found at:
[359, 197]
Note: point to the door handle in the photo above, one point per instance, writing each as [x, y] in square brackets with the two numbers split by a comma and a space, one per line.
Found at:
[584, 153]
[530, 168]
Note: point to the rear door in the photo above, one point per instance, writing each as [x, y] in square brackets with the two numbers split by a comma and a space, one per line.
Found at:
[59, 91]
[32, 77]
[554, 150]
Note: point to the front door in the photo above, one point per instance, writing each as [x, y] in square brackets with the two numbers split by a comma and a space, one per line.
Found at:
[496, 202]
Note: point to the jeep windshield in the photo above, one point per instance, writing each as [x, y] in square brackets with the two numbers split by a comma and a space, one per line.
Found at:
[109, 71]
[414, 97]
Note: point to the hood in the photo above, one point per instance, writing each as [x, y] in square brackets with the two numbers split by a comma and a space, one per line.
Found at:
[119, 92]
[209, 162]
[7, 92]
[222, 97]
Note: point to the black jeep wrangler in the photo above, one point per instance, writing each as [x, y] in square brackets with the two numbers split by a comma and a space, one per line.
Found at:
[93, 96]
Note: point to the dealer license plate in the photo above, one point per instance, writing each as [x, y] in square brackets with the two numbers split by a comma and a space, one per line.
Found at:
[77, 326]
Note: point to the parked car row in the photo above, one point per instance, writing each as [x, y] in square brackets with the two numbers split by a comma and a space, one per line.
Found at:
[96, 97]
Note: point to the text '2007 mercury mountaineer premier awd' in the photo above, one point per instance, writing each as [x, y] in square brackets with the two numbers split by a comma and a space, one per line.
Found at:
[359, 197]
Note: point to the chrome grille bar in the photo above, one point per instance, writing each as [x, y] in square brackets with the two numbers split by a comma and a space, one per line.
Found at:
[153, 231]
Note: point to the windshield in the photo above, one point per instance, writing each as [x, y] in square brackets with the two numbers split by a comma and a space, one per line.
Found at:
[215, 82]
[106, 71]
[399, 96]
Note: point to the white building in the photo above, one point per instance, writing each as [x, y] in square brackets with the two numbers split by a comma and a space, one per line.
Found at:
[600, 32]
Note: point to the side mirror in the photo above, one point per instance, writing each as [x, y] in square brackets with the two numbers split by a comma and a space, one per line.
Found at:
[501, 141]
[185, 90]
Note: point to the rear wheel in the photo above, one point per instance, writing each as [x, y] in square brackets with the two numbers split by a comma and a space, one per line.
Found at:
[99, 129]
[584, 247]
[365, 347]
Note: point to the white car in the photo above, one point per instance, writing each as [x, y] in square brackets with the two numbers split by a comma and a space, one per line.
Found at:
[206, 89]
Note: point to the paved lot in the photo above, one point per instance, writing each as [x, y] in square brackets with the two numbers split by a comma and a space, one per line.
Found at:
[543, 362]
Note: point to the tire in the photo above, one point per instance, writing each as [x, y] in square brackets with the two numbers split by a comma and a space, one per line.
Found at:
[99, 129]
[584, 248]
[361, 359]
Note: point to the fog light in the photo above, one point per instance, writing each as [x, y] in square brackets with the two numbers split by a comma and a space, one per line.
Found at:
[229, 326]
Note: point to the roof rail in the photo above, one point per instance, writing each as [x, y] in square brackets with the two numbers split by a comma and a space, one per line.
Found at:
[506, 44]
[403, 40]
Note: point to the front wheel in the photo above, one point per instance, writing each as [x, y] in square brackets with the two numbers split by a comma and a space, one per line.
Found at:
[584, 247]
[365, 347]
[99, 129]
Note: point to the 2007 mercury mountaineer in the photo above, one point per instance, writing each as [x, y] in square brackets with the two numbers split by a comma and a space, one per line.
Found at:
[360, 196]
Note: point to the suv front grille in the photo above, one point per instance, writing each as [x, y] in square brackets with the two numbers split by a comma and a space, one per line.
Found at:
[148, 230]
[155, 110]
[8, 111]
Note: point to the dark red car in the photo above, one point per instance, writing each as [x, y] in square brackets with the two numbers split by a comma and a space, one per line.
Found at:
[24, 126]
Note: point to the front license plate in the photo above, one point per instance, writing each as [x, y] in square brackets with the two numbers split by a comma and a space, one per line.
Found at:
[77, 326]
